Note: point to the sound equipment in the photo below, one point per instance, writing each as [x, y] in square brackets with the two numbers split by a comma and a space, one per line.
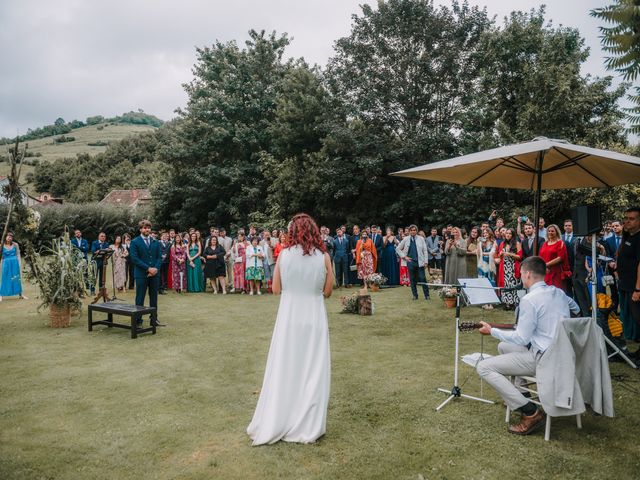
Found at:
[586, 220]
[470, 326]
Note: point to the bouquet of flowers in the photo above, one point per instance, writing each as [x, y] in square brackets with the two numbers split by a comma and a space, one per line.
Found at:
[448, 292]
[349, 304]
[375, 279]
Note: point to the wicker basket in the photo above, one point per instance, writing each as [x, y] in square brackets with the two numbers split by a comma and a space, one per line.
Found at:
[60, 316]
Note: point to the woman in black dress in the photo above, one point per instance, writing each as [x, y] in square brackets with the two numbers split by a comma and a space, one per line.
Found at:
[215, 269]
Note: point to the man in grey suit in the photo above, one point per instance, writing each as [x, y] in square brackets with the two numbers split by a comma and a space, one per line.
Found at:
[434, 246]
[413, 249]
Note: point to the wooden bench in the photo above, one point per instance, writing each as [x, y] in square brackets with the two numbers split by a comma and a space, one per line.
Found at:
[134, 312]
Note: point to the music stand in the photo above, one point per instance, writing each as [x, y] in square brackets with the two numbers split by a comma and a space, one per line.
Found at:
[478, 291]
[113, 278]
[104, 255]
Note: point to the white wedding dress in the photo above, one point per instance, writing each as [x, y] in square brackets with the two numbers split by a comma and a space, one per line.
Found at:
[295, 390]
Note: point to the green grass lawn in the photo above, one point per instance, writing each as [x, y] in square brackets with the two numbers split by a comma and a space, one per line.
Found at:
[81, 405]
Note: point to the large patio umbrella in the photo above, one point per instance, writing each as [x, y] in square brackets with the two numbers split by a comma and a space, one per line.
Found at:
[541, 164]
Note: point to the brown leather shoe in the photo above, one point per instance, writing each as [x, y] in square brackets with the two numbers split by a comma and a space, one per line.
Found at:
[528, 423]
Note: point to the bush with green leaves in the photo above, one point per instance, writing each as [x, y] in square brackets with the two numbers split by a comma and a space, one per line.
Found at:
[60, 273]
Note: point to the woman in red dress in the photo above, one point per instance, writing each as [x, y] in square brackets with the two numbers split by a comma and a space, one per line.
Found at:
[554, 253]
[404, 269]
[281, 245]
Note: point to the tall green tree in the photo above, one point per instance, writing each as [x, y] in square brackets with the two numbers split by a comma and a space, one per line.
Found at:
[532, 86]
[402, 82]
[622, 41]
[223, 131]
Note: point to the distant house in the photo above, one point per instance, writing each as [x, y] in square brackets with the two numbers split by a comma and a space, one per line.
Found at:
[48, 200]
[27, 199]
[128, 198]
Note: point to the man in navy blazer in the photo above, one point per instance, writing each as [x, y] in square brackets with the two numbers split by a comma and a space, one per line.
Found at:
[376, 238]
[611, 245]
[146, 256]
[341, 258]
[80, 243]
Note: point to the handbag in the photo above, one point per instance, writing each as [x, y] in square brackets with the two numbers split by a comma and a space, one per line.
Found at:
[353, 267]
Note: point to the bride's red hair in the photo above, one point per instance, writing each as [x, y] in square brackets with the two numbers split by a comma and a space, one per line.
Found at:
[304, 231]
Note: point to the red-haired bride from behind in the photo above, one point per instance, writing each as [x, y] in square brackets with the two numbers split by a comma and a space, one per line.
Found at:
[295, 390]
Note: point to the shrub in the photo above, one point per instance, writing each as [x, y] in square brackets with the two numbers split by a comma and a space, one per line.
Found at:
[91, 219]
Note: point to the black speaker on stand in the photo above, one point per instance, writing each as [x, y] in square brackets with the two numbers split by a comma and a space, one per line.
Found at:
[587, 219]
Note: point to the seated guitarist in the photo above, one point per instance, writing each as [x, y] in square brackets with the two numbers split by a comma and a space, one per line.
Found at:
[520, 350]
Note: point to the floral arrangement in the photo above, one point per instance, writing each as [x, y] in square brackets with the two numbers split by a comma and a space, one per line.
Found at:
[32, 222]
[448, 292]
[375, 279]
[349, 304]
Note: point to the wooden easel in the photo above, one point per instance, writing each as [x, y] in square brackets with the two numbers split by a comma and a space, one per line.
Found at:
[103, 255]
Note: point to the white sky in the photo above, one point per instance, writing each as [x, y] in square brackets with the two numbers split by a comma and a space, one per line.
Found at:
[77, 58]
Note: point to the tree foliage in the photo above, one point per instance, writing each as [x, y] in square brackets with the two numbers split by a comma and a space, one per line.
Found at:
[134, 162]
[262, 137]
[622, 41]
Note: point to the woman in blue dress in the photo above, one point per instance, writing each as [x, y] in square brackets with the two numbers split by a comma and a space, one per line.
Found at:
[390, 267]
[10, 283]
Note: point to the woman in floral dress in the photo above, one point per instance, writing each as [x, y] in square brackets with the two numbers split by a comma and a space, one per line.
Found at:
[178, 264]
[238, 253]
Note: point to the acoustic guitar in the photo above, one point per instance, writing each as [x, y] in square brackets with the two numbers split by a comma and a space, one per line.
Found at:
[470, 326]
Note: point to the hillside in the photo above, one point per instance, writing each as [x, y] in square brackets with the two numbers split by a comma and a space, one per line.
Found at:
[50, 150]
[103, 132]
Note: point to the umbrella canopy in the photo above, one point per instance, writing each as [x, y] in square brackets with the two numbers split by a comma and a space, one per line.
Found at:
[538, 165]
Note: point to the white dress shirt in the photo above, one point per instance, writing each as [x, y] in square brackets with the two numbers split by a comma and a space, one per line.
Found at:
[540, 312]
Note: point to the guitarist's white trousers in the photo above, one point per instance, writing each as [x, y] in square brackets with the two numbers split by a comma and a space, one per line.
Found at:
[514, 360]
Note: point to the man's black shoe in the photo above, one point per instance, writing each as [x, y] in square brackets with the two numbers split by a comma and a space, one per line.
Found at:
[155, 323]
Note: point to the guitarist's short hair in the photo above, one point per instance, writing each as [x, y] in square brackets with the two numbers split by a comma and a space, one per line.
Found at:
[535, 265]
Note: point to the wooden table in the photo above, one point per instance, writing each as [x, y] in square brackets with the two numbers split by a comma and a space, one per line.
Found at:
[134, 312]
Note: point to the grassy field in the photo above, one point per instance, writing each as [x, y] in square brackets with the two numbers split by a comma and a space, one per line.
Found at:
[83, 136]
[80, 405]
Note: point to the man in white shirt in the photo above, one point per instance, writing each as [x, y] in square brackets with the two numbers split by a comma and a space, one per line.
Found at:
[413, 249]
[227, 243]
[521, 349]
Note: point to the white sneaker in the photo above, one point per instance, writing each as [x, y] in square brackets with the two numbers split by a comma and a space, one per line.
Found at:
[250, 293]
[259, 292]
[233, 290]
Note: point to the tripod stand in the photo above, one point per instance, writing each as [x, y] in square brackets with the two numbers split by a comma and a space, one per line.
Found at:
[103, 255]
[456, 391]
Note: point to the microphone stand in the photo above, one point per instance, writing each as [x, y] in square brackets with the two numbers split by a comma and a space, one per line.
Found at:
[456, 390]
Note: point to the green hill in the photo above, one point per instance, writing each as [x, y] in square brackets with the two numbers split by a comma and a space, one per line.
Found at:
[91, 139]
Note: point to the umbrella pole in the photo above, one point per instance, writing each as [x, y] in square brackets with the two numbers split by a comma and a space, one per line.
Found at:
[537, 198]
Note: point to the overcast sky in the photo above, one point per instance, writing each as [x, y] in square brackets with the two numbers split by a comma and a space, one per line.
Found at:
[77, 58]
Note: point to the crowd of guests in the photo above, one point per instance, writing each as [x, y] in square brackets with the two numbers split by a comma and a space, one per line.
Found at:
[194, 262]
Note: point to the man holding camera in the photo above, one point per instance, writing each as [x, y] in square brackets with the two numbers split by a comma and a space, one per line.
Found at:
[628, 273]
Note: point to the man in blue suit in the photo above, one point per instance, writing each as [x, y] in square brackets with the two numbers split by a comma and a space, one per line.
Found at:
[80, 243]
[146, 256]
[96, 245]
[341, 258]
[376, 238]
[611, 245]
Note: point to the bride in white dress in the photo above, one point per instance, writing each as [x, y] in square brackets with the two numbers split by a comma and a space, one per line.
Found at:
[295, 390]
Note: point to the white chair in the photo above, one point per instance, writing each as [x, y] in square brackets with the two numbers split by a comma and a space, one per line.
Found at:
[529, 385]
